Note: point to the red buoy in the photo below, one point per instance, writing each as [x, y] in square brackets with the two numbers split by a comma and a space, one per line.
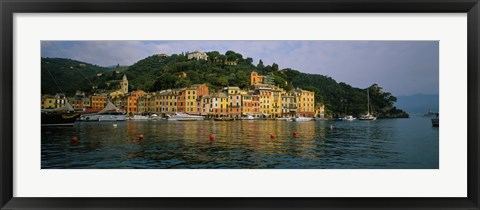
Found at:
[74, 139]
[272, 136]
[140, 137]
[212, 137]
[294, 133]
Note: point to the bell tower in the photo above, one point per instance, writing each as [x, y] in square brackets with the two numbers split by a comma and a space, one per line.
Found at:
[124, 84]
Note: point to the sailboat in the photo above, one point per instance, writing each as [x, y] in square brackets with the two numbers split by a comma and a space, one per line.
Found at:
[109, 113]
[368, 116]
[62, 116]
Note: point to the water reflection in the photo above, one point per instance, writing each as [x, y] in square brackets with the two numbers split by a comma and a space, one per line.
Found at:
[242, 144]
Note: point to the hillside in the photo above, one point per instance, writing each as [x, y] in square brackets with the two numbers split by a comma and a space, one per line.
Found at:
[69, 75]
[159, 72]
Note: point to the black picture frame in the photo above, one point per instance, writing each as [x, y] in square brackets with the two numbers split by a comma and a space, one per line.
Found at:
[10, 7]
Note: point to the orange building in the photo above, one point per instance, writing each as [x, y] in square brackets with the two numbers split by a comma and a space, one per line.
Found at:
[98, 102]
[130, 101]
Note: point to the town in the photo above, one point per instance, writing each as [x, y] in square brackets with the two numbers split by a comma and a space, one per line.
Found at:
[261, 100]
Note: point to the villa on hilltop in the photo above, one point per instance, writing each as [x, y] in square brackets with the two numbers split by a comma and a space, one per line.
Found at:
[197, 55]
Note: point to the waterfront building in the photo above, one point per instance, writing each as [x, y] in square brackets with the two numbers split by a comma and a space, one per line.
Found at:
[219, 103]
[266, 99]
[191, 100]
[79, 103]
[48, 102]
[130, 101]
[99, 101]
[181, 100]
[250, 105]
[289, 105]
[197, 55]
[305, 102]
[168, 100]
[234, 102]
[320, 110]
[276, 102]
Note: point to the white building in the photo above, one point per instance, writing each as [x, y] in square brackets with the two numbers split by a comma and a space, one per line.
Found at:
[197, 55]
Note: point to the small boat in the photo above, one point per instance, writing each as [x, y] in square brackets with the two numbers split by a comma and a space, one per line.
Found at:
[436, 121]
[368, 116]
[302, 119]
[63, 116]
[224, 119]
[184, 117]
[155, 117]
[349, 118]
[284, 118]
[249, 117]
[109, 113]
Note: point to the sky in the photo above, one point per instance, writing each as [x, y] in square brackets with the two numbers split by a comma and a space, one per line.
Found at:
[400, 67]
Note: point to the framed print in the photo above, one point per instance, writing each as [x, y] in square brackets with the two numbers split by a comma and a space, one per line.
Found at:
[239, 105]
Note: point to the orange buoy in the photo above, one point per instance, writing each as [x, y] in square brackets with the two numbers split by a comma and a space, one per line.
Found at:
[74, 139]
[272, 136]
[141, 137]
[212, 137]
[294, 133]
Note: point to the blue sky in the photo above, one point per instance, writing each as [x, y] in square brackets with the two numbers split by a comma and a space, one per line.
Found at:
[400, 67]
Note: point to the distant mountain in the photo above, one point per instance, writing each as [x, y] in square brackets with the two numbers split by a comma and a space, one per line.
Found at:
[418, 103]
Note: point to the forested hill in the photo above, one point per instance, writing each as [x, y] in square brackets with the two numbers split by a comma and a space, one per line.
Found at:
[61, 75]
[159, 72]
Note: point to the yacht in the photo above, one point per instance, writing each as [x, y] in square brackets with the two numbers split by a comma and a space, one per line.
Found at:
[184, 117]
[302, 119]
[63, 116]
[368, 116]
[349, 118]
[109, 113]
[284, 118]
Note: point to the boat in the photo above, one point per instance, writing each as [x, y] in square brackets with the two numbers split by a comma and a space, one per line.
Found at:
[349, 118]
[249, 117]
[436, 121]
[155, 117]
[184, 117]
[109, 113]
[140, 117]
[338, 119]
[62, 116]
[224, 119]
[302, 119]
[368, 116]
[284, 118]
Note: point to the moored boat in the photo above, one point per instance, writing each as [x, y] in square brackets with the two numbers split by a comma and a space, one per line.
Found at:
[302, 119]
[284, 118]
[109, 113]
[368, 116]
[184, 117]
[224, 119]
[63, 116]
[249, 117]
[349, 118]
[140, 117]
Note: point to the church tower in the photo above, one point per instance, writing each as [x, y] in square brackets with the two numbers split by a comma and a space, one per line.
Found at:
[124, 84]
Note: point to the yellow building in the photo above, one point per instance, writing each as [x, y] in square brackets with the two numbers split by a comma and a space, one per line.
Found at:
[266, 99]
[276, 102]
[48, 102]
[191, 100]
[167, 101]
[320, 110]
[256, 78]
[305, 102]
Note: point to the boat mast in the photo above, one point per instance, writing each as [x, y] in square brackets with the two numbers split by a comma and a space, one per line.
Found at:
[368, 102]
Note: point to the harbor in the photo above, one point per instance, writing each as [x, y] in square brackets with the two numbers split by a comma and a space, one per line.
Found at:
[247, 144]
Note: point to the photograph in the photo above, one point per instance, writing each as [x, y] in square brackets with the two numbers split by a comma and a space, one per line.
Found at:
[239, 104]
